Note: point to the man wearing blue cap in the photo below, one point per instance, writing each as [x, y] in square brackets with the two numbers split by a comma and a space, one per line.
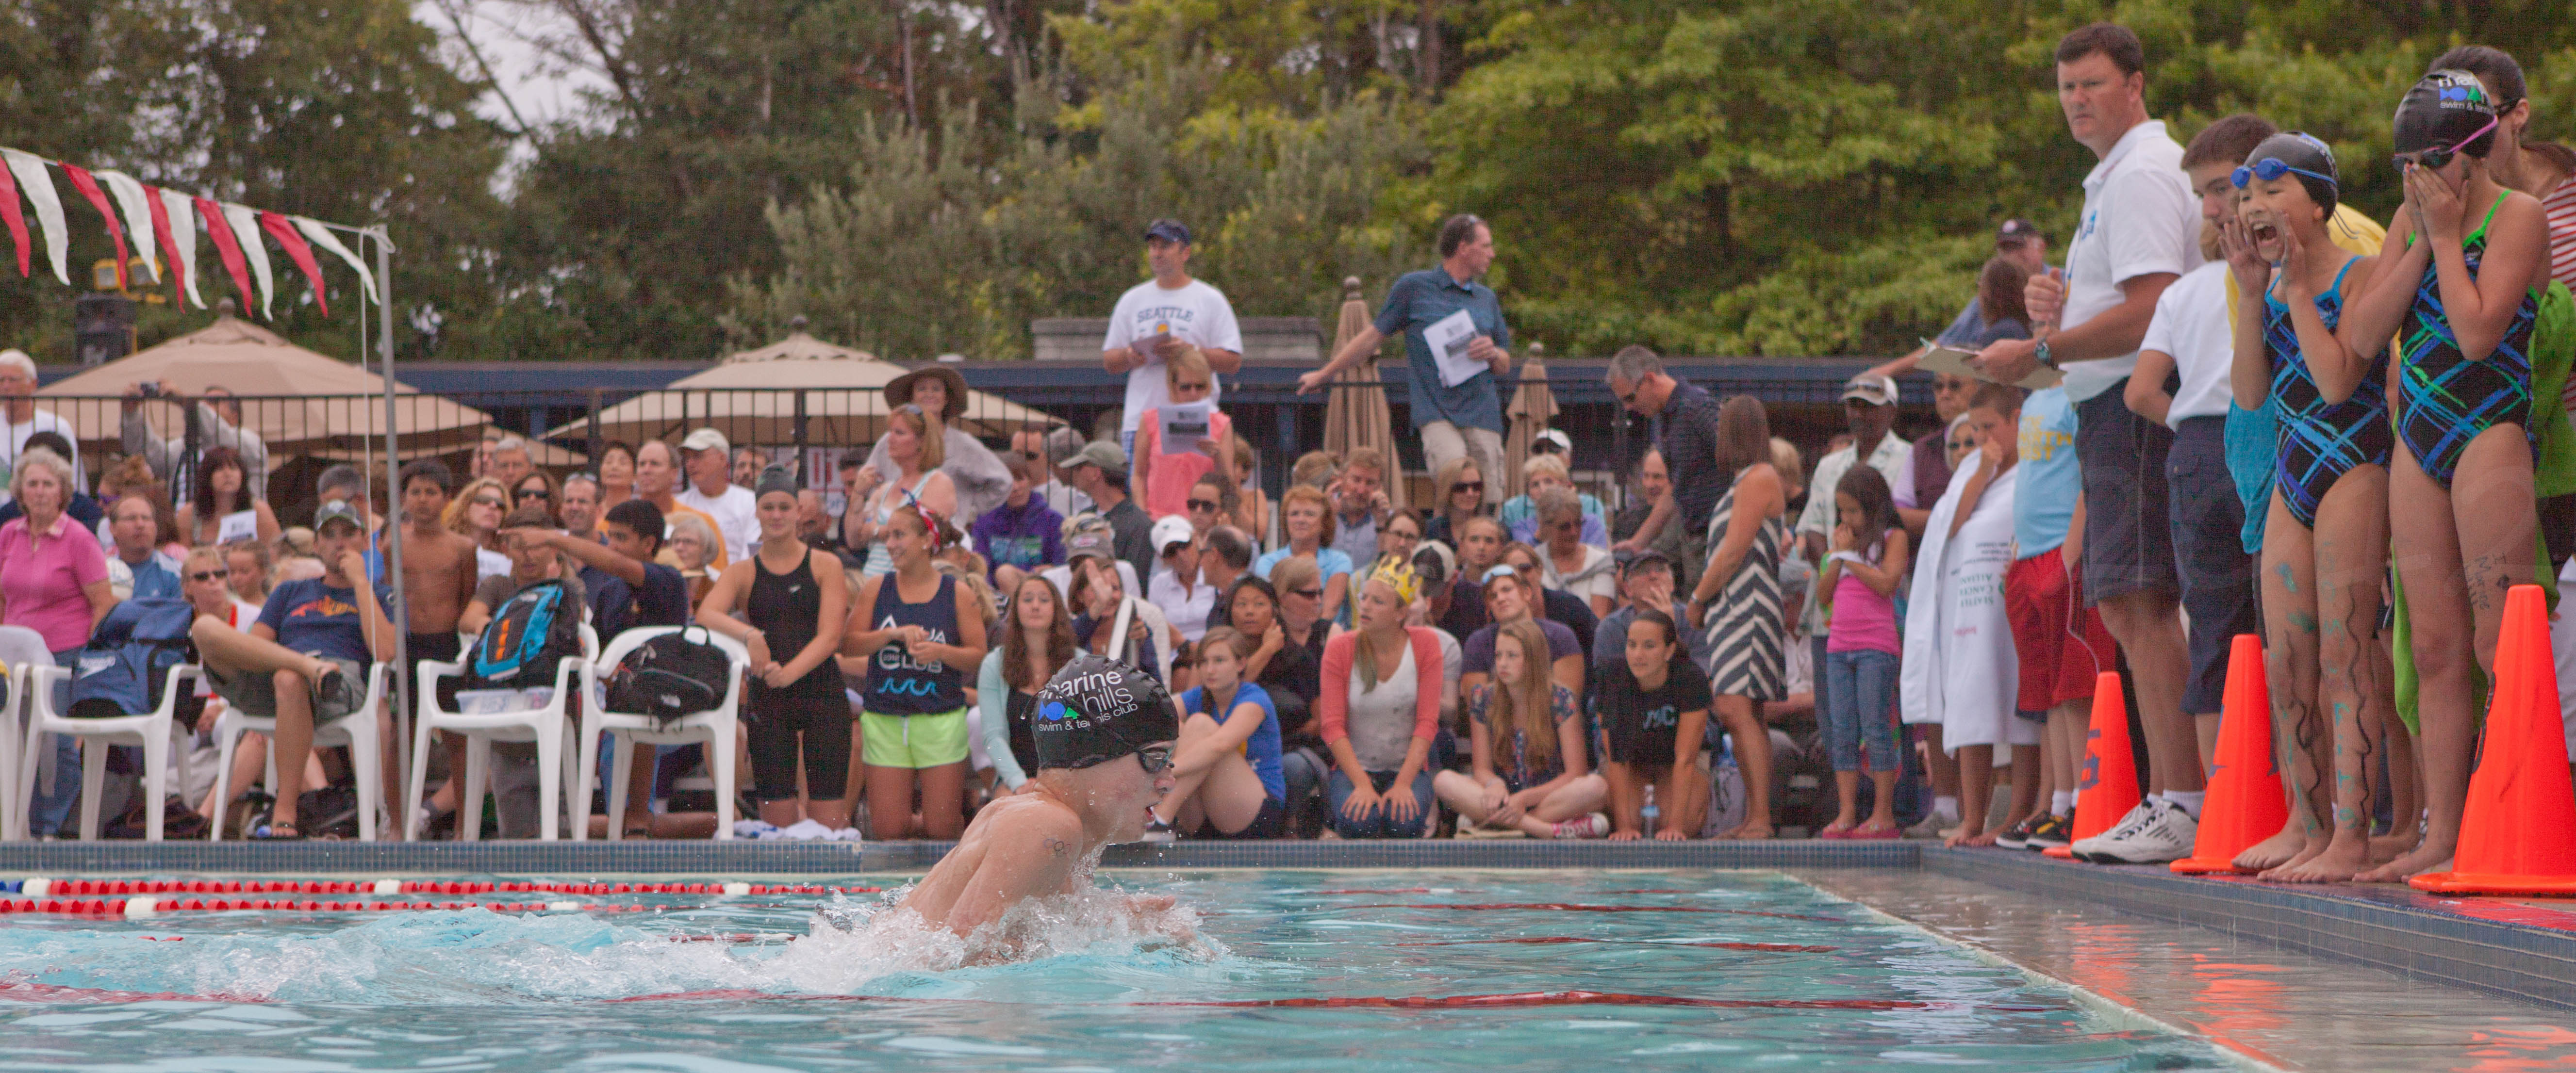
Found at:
[1104, 733]
[1158, 319]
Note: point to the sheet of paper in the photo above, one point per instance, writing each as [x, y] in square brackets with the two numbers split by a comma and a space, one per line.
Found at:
[1184, 425]
[1954, 362]
[238, 525]
[1449, 337]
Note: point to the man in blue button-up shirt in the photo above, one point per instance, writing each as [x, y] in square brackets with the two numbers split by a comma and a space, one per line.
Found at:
[1465, 418]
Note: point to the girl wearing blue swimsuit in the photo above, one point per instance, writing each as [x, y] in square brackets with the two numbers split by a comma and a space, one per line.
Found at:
[2460, 295]
[2325, 546]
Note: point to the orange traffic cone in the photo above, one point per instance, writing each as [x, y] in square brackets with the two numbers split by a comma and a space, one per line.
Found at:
[2245, 804]
[2518, 835]
[2109, 785]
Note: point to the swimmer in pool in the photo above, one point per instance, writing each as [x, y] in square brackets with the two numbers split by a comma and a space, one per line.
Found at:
[1104, 734]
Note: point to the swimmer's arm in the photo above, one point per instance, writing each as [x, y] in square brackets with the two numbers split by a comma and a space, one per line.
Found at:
[2337, 370]
[2481, 309]
[1034, 856]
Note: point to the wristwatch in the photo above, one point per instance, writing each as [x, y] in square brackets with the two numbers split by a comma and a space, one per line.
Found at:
[2041, 352]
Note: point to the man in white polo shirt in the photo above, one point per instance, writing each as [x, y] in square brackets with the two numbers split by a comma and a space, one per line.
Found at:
[1157, 319]
[706, 461]
[2135, 239]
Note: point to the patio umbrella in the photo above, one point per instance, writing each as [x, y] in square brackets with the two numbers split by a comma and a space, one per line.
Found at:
[1533, 407]
[1355, 415]
[752, 397]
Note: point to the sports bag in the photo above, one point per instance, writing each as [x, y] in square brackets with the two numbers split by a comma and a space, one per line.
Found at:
[528, 637]
[670, 676]
[126, 664]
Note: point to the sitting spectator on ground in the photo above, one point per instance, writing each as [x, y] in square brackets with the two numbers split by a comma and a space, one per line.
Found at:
[706, 486]
[1023, 535]
[1099, 601]
[1165, 467]
[1184, 597]
[1092, 525]
[1481, 548]
[1037, 641]
[53, 580]
[1400, 537]
[1225, 555]
[1528, 770]
[1250, 505]
[305, 661]
[1654, 713]
[1646, 583]
[1227, 781]
[1508, 592]
[1566, 563]
[1300, 589]
[1554, 605]
[1211, 502]
[1316, 469]
[1360, 505]
[1380, 706]
[219, 424]
[1308, 517]
[1519, 514]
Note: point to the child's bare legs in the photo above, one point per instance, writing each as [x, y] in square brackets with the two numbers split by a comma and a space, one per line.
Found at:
[1939, 767]
[2405, 792]
[1753, 757]
[1976, 795]
[2458, 553]
[2068, 724]
[2300, 736]
[2351, 542]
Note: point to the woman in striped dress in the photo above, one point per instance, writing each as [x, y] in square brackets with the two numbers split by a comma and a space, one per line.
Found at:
[1738, 599]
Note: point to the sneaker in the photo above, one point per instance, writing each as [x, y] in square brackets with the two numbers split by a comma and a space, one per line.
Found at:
[2019, 836]
[1932, 825]
[1592, 825]
[2165, 836]
[2050, 830]
[1158, 831]
[2083, 847]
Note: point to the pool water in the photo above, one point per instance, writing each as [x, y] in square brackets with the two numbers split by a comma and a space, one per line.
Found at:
[1289, 970]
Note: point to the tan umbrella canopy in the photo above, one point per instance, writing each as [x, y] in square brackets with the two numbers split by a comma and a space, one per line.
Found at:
[751, 397]
[1355, 413]
[1533, 407]
[300, 402]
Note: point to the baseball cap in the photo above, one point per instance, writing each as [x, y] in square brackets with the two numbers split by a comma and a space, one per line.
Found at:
[2016, 231]
[1435, 562]
[1874, 390]
[1631, 561]
[338, 510]
[1549, 439]
[1169, 230]
[706, 439]
[1108, 456]
[1062, 443]
[1173, 529]
[1091, 544]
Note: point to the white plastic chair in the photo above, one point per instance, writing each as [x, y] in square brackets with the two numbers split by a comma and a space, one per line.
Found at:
[151, 730]
[547, 726]
[21, 650]
[357, 730]
[716, 727]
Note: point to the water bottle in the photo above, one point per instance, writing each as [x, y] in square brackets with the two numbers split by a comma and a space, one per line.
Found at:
[1649, 814]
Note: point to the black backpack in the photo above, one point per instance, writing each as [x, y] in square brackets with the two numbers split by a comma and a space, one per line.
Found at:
[670, 676]
[529, 636]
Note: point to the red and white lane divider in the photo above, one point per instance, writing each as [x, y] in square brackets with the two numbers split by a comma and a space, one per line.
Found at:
[145, 898]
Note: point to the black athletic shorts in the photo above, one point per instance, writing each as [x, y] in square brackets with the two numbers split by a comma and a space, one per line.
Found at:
[773, 731]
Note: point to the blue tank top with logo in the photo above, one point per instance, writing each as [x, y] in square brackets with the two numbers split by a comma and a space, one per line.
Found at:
[900, 683]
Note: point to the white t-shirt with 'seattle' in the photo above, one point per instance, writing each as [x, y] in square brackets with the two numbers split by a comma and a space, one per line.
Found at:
[2140, 218]
[1197, 313]
[2191, 326]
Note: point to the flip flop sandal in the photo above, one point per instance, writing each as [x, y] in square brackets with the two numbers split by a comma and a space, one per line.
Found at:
[277, 832]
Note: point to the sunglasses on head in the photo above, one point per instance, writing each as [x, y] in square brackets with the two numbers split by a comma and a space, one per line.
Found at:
[2439, 157]
[1154, 758]
[2271, 168]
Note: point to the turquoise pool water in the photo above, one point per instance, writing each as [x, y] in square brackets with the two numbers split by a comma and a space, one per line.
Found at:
[1771, 974]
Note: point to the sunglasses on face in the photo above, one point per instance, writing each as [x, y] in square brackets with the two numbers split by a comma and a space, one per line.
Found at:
[486, 501]
[2271, 168]
[1311, 594]
[1202, 504]
[2439, 157]
[1154, 758]
[536, 493]
[1477, 487]
[209, 575]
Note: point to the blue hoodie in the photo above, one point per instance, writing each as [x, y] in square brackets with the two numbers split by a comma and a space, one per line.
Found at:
[1025, 537]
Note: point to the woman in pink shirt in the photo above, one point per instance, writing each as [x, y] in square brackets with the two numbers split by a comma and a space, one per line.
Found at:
[53, 580]
[1380, 706]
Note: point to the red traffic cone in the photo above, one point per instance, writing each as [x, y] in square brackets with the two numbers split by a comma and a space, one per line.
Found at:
[2518, 835]
[2109, 786]
[2246, 803]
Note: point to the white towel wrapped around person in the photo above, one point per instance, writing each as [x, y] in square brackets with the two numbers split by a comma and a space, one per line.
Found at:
[1959, 669]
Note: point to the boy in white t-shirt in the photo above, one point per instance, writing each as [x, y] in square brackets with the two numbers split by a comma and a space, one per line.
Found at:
[1157, 319]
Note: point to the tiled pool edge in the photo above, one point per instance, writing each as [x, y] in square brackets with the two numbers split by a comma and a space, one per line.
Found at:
[2528, 964]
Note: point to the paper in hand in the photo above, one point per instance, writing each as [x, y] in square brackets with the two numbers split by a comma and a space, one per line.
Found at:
[238, 525]
[1952, 361]
[1185, 424]
[1450, 338]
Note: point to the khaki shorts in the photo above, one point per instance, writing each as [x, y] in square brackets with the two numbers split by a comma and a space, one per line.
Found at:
[913, 741]
[256, 693]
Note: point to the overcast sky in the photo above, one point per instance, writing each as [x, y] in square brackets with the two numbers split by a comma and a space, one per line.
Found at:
[546, 91]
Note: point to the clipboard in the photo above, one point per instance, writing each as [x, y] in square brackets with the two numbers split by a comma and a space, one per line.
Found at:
[1450, 338]
[1953, 361]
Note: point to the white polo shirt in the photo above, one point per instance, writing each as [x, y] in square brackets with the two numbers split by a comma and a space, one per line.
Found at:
[2192, 325]
[737, 515]
[2139, 219]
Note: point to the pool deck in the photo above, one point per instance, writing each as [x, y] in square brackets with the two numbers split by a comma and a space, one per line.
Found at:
[2524, 949]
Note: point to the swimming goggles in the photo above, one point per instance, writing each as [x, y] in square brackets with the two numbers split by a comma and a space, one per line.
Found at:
[2271, 167]
[1154, 758]
[2439, 157]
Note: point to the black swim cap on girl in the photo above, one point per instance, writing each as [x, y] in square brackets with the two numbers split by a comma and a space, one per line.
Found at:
[774, 479]
[1096, 710]
[2303, 154]
[2442, 109]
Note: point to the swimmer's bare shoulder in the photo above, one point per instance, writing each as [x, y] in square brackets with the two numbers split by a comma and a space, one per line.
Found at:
[1019, 847]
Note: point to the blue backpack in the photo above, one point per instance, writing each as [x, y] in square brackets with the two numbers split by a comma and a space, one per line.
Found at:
[528, 637]
[126, 664]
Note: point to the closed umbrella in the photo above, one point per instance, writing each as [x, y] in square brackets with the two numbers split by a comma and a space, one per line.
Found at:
[1355, 415]
[1533, 407]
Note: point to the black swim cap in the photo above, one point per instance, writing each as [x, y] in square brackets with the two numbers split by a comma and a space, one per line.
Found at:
[2303, 154]
[775, 479]
[1096, 710]
[2442, 109]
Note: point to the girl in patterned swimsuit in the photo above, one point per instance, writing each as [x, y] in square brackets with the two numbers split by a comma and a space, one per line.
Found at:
[2325, 544]
[2457, 287]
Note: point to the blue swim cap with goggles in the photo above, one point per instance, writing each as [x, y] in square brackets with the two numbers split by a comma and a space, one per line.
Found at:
[2293, 153]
